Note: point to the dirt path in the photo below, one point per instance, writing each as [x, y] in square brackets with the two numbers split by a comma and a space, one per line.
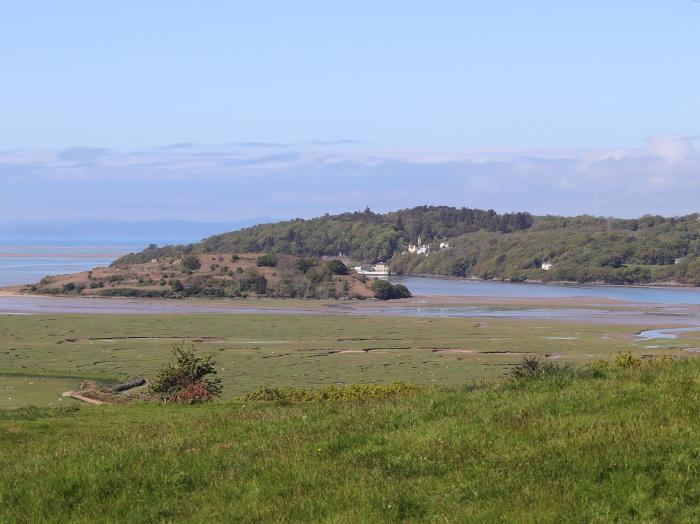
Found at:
[76, 395]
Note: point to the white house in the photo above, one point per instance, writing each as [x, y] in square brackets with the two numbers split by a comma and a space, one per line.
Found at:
[444, 245]
[419, 248]
[379, 269]
[546, 266]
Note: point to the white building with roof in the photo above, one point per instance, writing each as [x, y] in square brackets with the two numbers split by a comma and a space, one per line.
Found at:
[419, 248]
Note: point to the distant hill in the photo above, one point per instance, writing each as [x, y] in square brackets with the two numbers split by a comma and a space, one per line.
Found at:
[483, 244]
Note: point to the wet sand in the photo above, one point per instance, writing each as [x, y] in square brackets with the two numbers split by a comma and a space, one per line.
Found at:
[586, 310]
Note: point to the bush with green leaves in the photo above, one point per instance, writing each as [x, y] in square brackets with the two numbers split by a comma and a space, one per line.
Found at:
[267, 260]
[337, 267]
[306, 263]
[189, 370]
[626, 360]
[384, 290]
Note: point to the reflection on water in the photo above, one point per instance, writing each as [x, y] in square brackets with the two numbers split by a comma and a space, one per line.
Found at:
[431, 286]
[492, 312]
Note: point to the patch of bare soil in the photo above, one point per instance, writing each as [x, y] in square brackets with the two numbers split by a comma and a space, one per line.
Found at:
[89, 393]
[78, 395]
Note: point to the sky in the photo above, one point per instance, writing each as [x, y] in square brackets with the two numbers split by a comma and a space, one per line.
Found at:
[226, 110]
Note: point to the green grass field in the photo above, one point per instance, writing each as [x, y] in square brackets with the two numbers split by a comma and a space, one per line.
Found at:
[619, 447]
[40, 355]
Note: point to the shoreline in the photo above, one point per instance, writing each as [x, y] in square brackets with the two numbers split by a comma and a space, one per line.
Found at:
[18, 289]
[557, 283]
[555, 310]
[369, 303]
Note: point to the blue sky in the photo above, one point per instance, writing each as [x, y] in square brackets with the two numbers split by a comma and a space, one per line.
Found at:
[226, 110]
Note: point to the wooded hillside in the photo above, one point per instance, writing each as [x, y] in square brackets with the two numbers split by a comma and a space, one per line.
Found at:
[482, 243]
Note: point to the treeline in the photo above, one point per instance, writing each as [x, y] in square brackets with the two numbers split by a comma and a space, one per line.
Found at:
[364, 236]
[484, 244]
[582, 249]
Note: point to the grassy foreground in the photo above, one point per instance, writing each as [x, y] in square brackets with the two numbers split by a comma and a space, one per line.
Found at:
[620, 446]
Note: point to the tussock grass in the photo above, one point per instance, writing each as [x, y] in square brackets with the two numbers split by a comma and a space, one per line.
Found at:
[619, 444]
[332, 392]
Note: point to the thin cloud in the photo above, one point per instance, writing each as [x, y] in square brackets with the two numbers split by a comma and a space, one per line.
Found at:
[343, 142]
[258, 145]
[82, 154]
[178, 145]
[657, 177]
[261, 160]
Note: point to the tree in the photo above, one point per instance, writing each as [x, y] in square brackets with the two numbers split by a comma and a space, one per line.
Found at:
[337, 267]
[267, 260]
[384, 290]
[191, 262]
[187, 378]
[304, 264]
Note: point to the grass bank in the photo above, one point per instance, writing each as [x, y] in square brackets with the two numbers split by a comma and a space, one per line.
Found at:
[620, 445]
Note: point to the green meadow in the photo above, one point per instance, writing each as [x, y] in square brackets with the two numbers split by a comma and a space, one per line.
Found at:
[605, 446]
[42, 356]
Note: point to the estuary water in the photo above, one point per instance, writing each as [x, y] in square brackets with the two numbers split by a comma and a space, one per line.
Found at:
[27, 263]
[432, 286]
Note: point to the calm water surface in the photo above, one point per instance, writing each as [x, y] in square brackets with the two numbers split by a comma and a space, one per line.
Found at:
[27, 264]
[429, 286]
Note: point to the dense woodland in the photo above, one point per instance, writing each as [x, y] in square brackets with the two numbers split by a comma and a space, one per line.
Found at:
[483, 244]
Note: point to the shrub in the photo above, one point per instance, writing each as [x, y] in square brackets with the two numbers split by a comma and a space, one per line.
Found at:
[384, 290]
[662, 361]
[337, 267]
[186, 378]
[191, 262]
[197, 392]
[626, 360]
[319, 274]
[267, 260]
[601, 363]
[528, 367]
[533, 367]
[304, 264]
[332, 392]
[401, 291]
